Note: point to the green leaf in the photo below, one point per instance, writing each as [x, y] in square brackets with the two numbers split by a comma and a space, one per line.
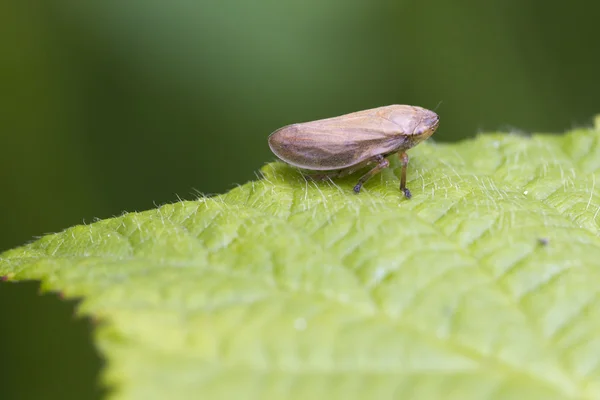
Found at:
[483, 286]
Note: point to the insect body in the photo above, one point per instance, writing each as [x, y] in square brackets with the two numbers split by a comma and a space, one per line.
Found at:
[341, 145]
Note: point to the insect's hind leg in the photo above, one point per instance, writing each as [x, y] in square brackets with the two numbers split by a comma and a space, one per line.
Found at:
[382, 163]
[319, 176]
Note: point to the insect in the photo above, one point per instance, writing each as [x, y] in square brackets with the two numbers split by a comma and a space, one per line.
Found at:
[340, 146]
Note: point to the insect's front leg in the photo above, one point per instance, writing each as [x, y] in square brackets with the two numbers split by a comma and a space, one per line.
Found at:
[382, 163]
[404, 160]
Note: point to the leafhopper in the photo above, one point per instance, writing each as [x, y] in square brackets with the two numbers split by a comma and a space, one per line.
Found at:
[338, 146]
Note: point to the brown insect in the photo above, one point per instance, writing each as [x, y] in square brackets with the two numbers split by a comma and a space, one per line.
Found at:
[342, 145]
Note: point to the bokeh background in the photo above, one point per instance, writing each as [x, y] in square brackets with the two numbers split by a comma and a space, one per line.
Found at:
[109, 106]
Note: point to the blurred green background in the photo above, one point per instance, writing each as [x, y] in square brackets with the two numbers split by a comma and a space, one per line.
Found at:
[113, 106]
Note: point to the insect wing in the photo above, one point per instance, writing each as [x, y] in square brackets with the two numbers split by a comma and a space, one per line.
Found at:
[336, 143]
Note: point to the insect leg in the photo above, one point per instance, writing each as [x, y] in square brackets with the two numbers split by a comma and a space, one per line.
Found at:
[404, 160]
[342, 172]
[351, 170]
[381, 164]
